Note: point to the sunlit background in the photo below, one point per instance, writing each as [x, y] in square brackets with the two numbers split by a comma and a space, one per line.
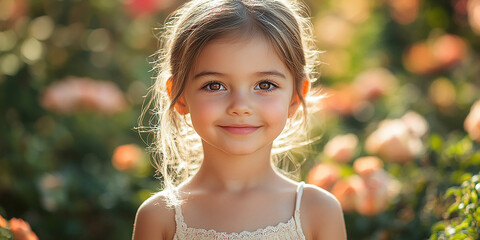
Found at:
[400, 129]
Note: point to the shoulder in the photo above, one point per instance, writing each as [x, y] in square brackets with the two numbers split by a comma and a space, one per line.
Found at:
[154, 219]
[322, 214]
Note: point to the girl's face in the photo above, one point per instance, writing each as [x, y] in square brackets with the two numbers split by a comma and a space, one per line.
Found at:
[239, 95]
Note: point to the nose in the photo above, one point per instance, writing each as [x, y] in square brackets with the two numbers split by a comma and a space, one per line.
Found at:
[239, 105]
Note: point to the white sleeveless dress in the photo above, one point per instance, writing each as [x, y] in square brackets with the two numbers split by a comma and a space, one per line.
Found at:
[290, 230]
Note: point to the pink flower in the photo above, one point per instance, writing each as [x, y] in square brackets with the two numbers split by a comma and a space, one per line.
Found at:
[324, 175]
[394, 141]
[374, 83]
[472, 122]
[138, 8]
[21, 230]
[77, 94]
[341, 148]
[126, 157]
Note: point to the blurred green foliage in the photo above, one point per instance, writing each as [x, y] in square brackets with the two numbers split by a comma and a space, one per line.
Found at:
[56, 156]
[463, 216]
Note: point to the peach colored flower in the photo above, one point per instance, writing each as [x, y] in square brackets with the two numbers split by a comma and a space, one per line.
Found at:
[342, 99]
[448, 50]
[436, 54]
[3, 222]
[415, 123]
[394, 141]
[324, 175]
[76, 94]
[419, 59]
[374, 83]
[347, 190]
[366, 165]
[404, 11]
[380, 189]
[341, 148]
[21, 230]
[473, 9]
[472, 122]
[126, 157]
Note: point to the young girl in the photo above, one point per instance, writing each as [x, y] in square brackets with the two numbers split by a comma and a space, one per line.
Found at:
[233, 76]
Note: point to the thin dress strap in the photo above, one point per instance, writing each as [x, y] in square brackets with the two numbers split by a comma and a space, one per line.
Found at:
[299, 195]
[179, 222]
[297, 210]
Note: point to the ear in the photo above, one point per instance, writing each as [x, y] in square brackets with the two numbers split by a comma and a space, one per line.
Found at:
[180, 105]
[295, 103]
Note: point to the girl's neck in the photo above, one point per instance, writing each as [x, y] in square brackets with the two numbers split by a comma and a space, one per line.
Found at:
[235, 173]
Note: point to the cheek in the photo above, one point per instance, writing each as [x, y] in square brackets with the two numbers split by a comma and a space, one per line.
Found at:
[203, 111]
[275, 110]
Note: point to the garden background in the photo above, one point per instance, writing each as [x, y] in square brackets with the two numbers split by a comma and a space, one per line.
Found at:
[400, 131]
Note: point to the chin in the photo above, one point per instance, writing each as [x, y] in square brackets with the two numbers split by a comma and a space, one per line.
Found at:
[242, 150]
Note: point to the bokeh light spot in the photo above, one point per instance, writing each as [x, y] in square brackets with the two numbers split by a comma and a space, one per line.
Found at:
[8, 39]
[98, 40]
[10, 64]
[32, 49]
[42, 27]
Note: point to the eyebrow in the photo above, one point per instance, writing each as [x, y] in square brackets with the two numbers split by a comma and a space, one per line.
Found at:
[261, 74]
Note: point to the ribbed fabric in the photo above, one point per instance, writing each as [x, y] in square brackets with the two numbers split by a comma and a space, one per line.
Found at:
[290, 230]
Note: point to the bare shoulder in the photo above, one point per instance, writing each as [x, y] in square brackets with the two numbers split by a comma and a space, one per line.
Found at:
[154, 219]
[322, 215]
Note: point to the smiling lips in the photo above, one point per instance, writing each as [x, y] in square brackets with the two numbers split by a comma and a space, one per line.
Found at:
[240, 129]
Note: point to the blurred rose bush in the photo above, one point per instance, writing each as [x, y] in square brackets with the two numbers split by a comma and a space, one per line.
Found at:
[83, 94]
[368, 191]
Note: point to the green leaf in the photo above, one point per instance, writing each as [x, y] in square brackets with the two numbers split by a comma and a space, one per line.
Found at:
[474, 197]
[460, 236]
[436, 142]
[452, 191]
[438, 227]
[453, 208]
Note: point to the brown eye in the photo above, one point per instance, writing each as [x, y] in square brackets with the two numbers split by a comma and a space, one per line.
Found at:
[264, 85]
[215, 86]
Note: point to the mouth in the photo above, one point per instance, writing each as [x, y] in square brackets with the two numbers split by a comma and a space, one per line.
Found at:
[240, 129]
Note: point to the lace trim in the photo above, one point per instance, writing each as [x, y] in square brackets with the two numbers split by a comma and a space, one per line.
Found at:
[288, 228]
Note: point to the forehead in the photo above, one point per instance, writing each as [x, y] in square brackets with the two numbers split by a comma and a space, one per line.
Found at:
[240, 54]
